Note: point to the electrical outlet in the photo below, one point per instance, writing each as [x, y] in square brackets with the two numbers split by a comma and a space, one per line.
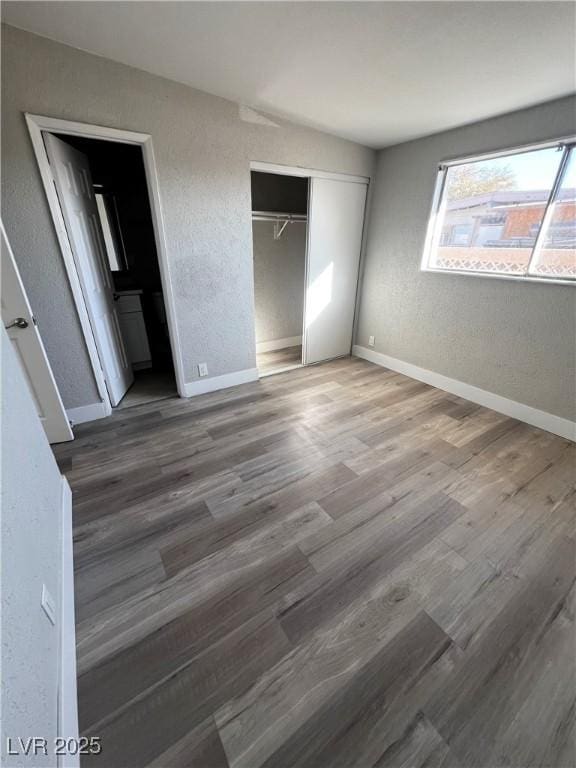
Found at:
[48, 604]
[202, 369]
[371, 341]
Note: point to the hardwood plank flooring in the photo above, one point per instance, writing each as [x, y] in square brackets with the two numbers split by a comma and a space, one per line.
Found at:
[149, 385]
[279, 359]
[332, 567]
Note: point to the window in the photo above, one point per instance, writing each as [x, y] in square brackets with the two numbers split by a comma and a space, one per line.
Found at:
[509, 214]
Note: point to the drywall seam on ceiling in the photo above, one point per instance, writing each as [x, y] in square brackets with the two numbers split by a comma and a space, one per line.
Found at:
[249, 115]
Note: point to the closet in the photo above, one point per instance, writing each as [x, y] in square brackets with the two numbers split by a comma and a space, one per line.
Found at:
[279, 233]
[307, 236]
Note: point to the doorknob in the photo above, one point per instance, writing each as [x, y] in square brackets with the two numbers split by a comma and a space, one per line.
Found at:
[18, 322]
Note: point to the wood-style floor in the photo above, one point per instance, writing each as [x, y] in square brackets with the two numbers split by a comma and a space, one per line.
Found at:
[148, 386]
[279, 360]
[334, 567]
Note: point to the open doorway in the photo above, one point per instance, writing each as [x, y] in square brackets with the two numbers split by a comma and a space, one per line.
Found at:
[102, 190]
[119, 182]
[279, 236]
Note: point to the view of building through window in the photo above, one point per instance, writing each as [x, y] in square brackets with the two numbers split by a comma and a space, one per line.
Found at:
[491, 212]
[556, 253]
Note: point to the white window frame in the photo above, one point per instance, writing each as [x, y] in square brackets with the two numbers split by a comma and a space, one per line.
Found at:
[433, 231]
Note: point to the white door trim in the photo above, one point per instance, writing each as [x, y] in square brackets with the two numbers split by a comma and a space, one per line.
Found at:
[36, 125]
[293, 170]
[67, 689]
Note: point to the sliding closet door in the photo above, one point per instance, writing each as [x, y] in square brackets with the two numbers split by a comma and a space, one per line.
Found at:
[336, 217]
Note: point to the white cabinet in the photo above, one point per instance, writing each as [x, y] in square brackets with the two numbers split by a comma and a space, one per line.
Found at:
[133, 329]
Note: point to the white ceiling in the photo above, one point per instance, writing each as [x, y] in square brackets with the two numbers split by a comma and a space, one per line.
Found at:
[377, 72]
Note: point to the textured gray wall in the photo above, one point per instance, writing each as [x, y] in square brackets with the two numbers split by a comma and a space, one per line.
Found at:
[203, 150]
[512, 338]
[31, 555]
[279, 269]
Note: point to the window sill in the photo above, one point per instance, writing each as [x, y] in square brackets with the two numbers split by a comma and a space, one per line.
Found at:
[498, 276]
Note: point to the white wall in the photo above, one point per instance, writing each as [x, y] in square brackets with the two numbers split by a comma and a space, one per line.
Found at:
[203, 150]
[30, 555]
[279, 269]
[515, 339]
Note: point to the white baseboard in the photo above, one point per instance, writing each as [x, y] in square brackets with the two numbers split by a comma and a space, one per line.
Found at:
[213, 384]
[270, 346]
[90, 412]
[67, 694]
[536, 418]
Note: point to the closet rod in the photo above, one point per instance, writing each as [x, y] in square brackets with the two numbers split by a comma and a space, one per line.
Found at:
[269, 216]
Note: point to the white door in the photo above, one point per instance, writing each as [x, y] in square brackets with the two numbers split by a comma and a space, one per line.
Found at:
[23, 333]
[335, 222]
[73, 183]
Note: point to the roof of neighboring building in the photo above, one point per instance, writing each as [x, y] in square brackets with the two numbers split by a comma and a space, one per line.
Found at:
[508, 197]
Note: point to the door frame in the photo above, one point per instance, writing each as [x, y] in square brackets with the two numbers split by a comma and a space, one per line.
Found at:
[312, 173]
[37, 124]
[297, 170]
